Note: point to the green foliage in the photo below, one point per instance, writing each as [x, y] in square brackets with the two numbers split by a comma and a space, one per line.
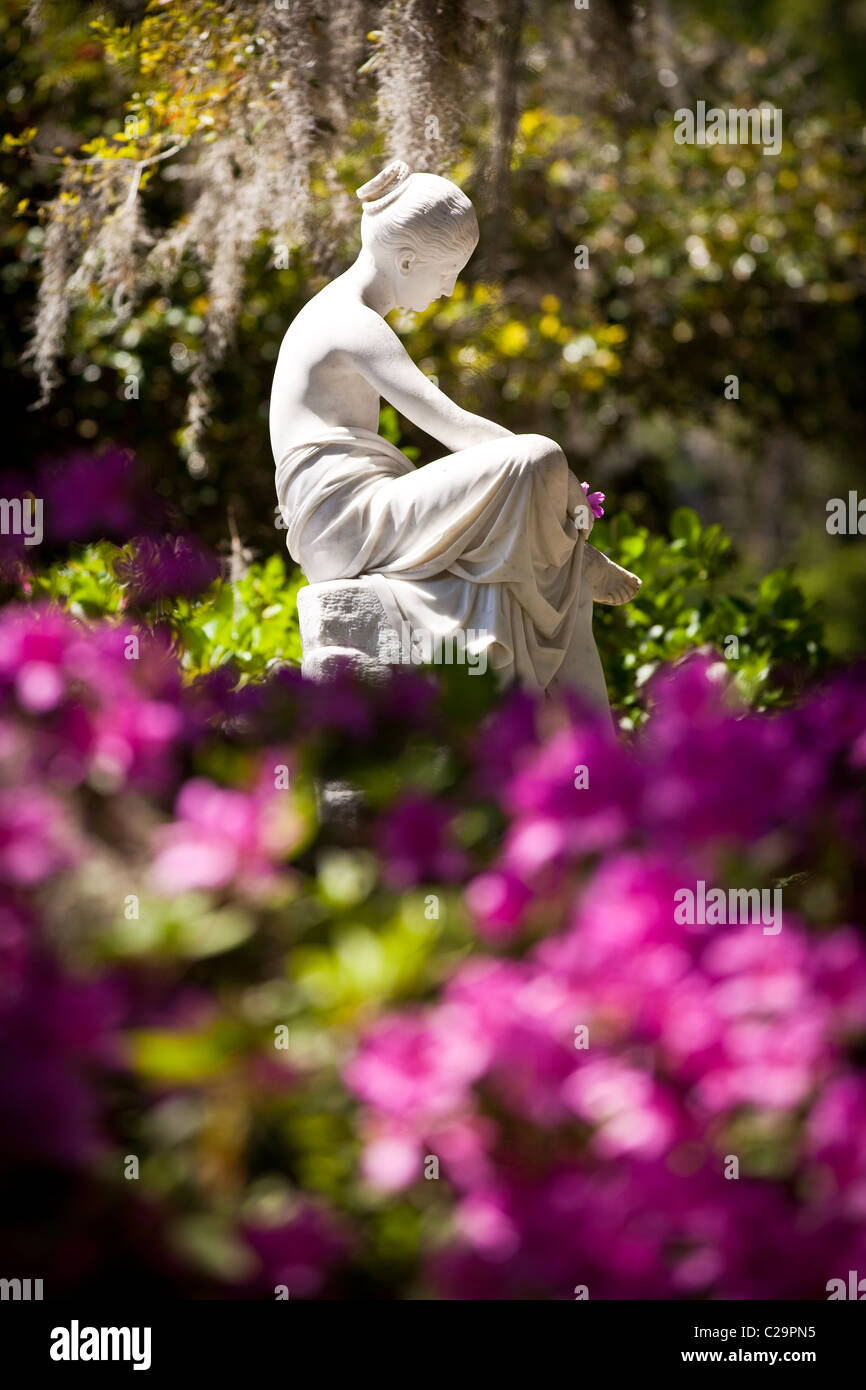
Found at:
[703, 261]
[692, 596]
[252, 622]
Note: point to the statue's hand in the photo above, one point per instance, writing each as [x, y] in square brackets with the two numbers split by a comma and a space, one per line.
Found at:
[577, 507]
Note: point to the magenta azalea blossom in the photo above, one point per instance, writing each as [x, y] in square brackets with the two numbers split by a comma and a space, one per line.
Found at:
[168, 567]
[417, 1066]
[417, 843]
[223, 836]
[544, 1027]
[296, 1254]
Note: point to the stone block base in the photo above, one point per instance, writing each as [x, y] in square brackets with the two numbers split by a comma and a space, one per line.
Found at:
[343, 622]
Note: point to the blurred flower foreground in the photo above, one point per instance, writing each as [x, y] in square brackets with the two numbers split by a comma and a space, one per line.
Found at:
[465, 1047]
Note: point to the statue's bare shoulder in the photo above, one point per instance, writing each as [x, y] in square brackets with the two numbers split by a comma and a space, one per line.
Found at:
[340, 356]
[317, 382]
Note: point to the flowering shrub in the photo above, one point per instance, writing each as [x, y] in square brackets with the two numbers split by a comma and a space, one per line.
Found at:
[692, 596]
[465, 1046]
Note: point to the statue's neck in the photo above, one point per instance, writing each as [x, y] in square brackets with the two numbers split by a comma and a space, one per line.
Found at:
[371, 283]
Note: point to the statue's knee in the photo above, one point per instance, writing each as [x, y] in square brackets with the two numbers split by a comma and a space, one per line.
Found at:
[542, 453]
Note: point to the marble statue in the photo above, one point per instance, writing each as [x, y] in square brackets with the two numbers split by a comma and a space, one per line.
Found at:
[490, 539]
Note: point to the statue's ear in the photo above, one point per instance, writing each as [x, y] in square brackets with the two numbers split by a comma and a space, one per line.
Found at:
[405, 261]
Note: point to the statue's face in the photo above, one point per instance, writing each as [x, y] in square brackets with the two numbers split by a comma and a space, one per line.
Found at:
[417, 283]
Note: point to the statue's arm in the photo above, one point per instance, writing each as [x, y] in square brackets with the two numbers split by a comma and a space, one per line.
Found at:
[378, 355]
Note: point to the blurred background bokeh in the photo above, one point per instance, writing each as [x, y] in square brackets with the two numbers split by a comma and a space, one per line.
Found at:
[701, 262]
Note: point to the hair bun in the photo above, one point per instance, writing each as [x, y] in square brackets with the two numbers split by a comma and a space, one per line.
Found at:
[385, 187]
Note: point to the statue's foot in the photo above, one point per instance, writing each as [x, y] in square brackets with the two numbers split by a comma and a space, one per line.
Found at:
[610, 583]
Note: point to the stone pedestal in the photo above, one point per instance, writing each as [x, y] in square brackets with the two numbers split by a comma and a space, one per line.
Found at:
[342, 624]
[343, 621]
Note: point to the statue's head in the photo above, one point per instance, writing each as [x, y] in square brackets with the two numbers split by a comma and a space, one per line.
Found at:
[420, 229]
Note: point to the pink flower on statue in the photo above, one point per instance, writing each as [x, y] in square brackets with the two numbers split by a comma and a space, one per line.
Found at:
[595, 500]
